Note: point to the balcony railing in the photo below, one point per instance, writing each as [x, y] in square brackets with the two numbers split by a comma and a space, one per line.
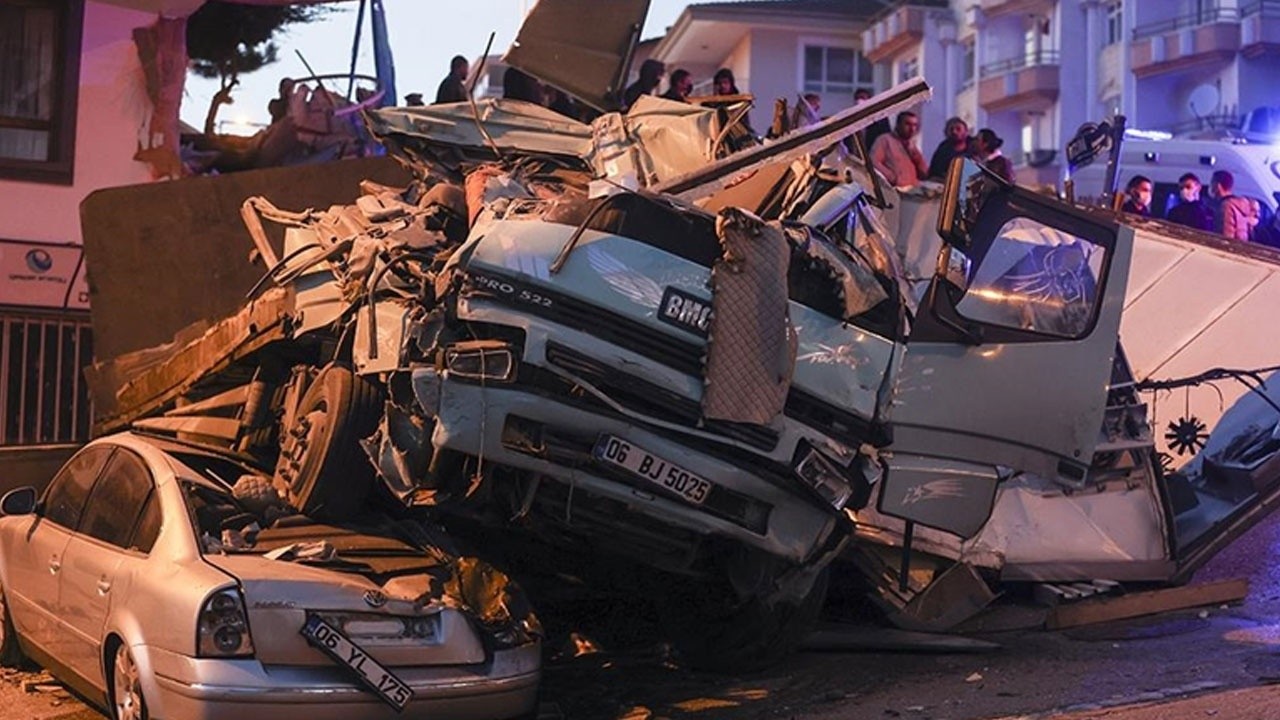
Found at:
[1208, 16]
[1044, 57]
[1265, 8]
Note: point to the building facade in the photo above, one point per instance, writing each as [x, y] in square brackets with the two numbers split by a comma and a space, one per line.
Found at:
[1035, 70]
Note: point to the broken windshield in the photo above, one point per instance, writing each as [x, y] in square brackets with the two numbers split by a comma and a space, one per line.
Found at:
[1038, 278]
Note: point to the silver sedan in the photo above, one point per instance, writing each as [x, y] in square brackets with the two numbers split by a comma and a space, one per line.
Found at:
[144, 583]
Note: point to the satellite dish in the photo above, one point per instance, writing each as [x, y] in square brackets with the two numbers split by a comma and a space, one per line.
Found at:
[1204, 100]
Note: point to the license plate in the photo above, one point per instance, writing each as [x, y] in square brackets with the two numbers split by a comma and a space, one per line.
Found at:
[341, 650]
[638, 461]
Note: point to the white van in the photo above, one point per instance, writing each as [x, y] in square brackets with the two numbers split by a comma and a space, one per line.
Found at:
[1256, 168]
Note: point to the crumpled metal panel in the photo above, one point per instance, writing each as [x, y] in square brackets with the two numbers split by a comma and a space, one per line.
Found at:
[580, 46]
[751, 350]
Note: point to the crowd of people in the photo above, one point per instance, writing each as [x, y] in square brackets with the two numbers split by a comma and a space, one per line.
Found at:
[1223, 212]
[894, 152]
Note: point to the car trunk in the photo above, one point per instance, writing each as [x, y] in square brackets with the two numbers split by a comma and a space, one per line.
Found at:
[385, 595]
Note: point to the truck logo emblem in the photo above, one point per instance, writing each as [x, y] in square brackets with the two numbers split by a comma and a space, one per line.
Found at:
[934, 490]
[685, 311]
[375, 598]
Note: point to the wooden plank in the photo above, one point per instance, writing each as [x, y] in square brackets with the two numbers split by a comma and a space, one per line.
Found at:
[1087, 612]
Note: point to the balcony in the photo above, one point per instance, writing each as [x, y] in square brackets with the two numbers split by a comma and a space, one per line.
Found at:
[1203, 38]
[1260, 28]
[997, 8]
[891, 34]
[1027, 83]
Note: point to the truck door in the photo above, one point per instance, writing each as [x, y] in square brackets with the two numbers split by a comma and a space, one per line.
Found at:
[1008, 362]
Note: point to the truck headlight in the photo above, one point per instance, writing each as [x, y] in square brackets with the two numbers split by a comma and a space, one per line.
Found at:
[823, 475]
[481, 360]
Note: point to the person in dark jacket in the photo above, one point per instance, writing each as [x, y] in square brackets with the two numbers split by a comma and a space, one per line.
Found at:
[1138, 196]
[679, 85]
[651, 72]
[723, 83]
[452, 87]
[1191, 210]
[986, 148]
[954, 144]
[875, 129]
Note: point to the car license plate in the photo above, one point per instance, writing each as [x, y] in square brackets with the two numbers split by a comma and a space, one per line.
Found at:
[620, 453]
[341, 650]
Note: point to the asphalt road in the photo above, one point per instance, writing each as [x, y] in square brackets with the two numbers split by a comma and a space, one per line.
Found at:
[606, 661]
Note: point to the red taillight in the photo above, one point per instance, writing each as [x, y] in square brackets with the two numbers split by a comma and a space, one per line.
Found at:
[223, 630]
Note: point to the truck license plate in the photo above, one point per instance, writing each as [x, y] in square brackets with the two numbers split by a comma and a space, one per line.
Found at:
[638, 461]
[341, 650]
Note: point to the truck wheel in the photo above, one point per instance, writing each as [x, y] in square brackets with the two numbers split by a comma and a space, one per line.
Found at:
[714, 633]
[323, 471]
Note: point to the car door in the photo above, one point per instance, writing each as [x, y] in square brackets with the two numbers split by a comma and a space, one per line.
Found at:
[1007, 367]
[36, 561]
[101, 553]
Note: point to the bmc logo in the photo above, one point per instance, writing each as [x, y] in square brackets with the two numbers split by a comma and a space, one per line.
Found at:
[685, 311]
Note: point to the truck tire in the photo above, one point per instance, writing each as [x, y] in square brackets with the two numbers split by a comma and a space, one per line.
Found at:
[713, 633]
[323, 471]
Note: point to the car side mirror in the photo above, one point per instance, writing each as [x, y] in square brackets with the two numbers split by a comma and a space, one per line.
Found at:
[966, 187]
[21, 501]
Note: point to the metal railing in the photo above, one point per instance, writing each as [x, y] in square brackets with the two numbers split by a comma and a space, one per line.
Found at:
[1044, 57]
[43, 396]
[1266, 8]
[1208, 16]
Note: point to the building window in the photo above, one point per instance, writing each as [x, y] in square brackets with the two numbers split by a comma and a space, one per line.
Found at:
[968, 64]
[908, 69]
[1115, 23]
[39, 75]
[835, 69]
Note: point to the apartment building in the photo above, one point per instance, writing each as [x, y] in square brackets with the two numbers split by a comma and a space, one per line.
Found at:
[1035, 70]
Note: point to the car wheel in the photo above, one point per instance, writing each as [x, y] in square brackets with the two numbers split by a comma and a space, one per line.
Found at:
[712, 633]
[10, 651]
[323, 471]
[127, 702]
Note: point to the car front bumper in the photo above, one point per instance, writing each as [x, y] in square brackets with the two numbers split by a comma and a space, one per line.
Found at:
[185, 688]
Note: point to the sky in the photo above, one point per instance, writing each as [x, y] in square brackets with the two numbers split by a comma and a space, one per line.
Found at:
[424, 35]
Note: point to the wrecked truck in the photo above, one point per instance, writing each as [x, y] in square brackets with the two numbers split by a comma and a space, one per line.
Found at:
[511, 348]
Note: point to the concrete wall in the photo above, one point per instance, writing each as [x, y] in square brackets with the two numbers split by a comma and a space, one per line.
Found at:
[774, 71]
[112, 109]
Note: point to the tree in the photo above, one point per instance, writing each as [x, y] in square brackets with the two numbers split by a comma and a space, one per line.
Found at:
[225, 40]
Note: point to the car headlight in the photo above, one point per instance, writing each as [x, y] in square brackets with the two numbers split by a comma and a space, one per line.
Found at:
[486, 360]
[223, 628]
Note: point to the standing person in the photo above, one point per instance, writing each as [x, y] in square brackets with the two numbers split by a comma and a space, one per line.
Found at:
[896, 156]
[1191, 210]
[986, 148]
[452, 87]
[1138, 196]
[808, 110]
[279, 105]
[875, 129]
[954, 143]
[413, 100]
[679, 85]
[1236, 216]
[723, 82]
[651, 72]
